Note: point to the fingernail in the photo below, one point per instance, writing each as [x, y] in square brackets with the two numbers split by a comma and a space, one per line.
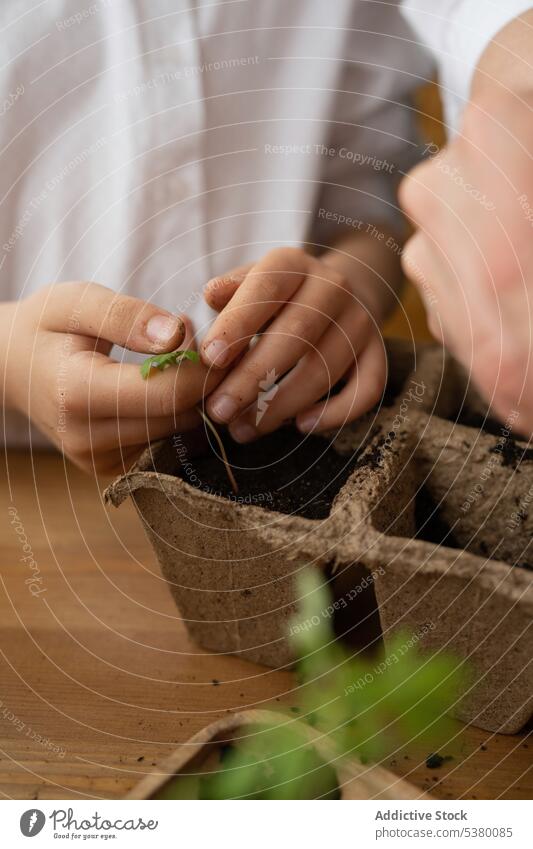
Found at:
[215, 282]
[217, 352]
[306, 423]
[243, 432]
[223, 407]
[162, 329]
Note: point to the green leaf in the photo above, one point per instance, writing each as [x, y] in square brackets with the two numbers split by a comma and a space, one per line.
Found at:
[163, 361]
[365, 705]
[275, 762]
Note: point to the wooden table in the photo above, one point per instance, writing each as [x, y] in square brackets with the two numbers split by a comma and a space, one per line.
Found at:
[98, 679]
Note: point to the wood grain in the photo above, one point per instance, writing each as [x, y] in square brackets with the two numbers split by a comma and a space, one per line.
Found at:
[100, 666]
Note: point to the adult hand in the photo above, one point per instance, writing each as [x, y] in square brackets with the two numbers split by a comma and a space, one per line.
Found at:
[472, 254]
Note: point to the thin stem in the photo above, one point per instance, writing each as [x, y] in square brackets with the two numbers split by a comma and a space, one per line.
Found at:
[223, 454]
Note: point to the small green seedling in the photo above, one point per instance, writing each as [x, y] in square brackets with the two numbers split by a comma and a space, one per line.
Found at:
[163, 361]
[368, 707]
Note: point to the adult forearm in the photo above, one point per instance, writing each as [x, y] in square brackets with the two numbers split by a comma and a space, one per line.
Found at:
[471, 255]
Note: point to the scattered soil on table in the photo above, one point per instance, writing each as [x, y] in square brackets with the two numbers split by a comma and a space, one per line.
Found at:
[435, 761]
[284, 471]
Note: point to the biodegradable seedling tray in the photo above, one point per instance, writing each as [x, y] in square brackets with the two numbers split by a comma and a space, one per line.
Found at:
[421, 521]
[201, 755]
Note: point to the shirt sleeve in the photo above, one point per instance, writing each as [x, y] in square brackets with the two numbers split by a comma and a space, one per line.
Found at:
[374, 136]
[362, 171]
[457, 32]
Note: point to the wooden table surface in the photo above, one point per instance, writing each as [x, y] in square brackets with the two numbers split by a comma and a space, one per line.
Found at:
[99, 681]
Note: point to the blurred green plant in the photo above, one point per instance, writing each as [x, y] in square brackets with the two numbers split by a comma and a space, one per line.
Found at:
[367, 708]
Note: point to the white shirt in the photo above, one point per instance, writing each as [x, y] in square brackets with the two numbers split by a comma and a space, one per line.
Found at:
[458, 31]
[155, 144]
[151, 145]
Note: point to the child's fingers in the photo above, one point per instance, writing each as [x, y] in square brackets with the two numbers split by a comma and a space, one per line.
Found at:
[295, 331]
[220, 290]
[271, 282]
[100, 387]
[312, 378]
[114, 462]
[107, 433]
[101, 435]
[88, 309]
[362, 391]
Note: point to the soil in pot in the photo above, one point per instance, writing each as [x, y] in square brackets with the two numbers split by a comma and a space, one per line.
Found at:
[284, 471]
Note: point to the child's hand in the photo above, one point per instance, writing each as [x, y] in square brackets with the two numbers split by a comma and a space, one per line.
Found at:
[98, 411]
[317, 333]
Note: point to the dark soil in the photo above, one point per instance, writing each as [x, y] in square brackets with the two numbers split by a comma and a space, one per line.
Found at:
[373, 457]
[435, 761]
[512, 454]
[284, 471]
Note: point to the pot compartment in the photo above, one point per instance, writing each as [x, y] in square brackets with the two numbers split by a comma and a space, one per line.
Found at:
[284, 472]
[457, 488]
[474, 493]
